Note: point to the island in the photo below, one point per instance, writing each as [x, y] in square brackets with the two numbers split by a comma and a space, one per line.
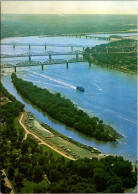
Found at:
[65, 111]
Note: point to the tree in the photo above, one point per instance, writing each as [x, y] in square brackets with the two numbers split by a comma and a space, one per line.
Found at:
[38, 174]
[100, 178]
[19, 181]
[11, 172]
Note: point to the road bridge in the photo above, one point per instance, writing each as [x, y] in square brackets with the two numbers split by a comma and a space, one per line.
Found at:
[45, 45]
[49, 54]
[38, 63]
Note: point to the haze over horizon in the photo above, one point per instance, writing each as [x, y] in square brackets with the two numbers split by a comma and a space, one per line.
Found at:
[69, 7]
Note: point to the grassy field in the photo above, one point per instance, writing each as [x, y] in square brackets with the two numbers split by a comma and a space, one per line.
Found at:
[49, 150]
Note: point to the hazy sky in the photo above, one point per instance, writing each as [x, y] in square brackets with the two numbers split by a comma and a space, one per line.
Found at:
[69, 7]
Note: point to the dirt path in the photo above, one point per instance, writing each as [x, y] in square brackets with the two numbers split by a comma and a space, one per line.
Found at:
[7, 182]
[41, 141]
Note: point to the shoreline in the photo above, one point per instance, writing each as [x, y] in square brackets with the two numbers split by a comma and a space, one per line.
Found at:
[114, 68]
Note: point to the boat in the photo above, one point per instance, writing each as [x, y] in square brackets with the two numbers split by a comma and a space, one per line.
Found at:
[80, 88]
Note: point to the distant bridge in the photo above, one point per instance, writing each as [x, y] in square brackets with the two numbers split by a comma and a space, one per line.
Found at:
[50, 53]
[38, 63]
[87, 36]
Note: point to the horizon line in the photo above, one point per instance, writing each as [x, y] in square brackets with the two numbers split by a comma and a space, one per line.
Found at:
[67, 14]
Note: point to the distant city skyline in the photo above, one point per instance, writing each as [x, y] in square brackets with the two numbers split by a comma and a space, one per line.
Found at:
[69, 7]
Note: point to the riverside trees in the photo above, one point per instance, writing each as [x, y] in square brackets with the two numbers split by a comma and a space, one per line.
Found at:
[120, 55]
[64, 110]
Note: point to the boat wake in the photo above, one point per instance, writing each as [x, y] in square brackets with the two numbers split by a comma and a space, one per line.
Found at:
[57, 81]
[45, 83]
[98, 87]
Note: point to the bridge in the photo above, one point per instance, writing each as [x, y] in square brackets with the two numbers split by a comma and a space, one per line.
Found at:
[88, 36]
[45, 45]
[50, 53]
[38, 63]
[99, 37]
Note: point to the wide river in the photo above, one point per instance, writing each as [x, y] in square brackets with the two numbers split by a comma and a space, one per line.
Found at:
[109, 94]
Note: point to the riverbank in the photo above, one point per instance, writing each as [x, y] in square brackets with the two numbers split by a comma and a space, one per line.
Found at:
[112, 67]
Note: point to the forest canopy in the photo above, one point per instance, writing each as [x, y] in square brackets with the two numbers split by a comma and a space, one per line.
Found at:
[120, 55]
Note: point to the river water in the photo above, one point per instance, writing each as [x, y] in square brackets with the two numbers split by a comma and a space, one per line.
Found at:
[109, 94]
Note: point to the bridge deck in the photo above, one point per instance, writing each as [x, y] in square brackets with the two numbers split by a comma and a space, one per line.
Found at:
[41, 54]
[38, 63]
[44, 44]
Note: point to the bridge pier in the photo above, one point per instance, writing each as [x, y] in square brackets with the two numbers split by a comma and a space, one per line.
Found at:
[77, 56]
[86, 37]
[50, 57]
[67, 65]
[45, 46]
[83, 48]
[14, 46]
[42, 67]
[29, 47]
[29, 58]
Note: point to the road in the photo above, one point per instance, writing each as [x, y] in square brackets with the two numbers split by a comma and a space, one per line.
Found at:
[7, 182]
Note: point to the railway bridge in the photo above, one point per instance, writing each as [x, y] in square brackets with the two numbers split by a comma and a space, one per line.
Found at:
[49, 54]
[38, 63]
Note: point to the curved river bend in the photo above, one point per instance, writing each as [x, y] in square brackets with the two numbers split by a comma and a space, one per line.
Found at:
[109, 94]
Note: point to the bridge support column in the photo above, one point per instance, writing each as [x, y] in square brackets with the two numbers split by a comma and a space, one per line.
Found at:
[86, 37]
[50, 57]
[83, 48]
[77, 56]
[67, 65]
[29, 47]
[14, 46]
[45, 46]
[71, 48]
[14, 69]
[29, 58]
[42, 67]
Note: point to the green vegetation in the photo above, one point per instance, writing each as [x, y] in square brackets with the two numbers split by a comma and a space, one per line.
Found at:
[34, 25]
[27, 164]
[120, 55]
[52, 152]
[64, 110]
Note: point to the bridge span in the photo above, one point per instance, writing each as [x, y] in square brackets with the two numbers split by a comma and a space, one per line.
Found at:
[45, 45]
[38, 63]
[49, 54]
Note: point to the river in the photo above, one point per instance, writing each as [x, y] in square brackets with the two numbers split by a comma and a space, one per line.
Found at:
[109, 94]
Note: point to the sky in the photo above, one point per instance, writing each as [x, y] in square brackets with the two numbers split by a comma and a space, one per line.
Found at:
[69, 7]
